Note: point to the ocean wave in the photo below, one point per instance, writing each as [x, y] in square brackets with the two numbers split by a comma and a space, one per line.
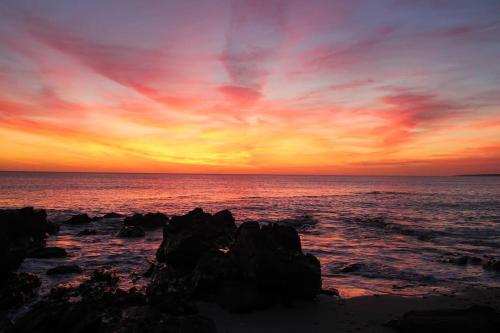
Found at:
[381, 222]
[380, 271]
[304, 221]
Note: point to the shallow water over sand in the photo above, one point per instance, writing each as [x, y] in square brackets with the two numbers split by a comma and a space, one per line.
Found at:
[372, 234]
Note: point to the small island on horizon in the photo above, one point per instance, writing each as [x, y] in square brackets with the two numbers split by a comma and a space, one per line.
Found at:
[480, 175]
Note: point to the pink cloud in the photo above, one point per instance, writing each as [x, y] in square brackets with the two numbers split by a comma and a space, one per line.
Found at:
[241, 96]
[405, 112]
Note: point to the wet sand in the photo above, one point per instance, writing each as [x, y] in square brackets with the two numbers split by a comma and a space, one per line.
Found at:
[329, 314]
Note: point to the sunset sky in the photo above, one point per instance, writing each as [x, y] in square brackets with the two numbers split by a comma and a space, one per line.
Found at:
[301, 87]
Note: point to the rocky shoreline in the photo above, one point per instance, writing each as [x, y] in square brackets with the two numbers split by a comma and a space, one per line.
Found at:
[202, 259]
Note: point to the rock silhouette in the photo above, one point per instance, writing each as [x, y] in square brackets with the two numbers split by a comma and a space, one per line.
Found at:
[131, 232]
[149, 220]
[205, 256]
[23, 230]
[79, 219]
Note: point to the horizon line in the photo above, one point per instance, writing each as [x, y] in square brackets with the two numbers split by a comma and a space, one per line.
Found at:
[245, 174]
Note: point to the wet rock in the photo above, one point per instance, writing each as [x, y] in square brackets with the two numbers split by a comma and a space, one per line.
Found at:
[64, 269]
[93, 306]
[131, 232]
[203, 256]
[349, 268]
[492, 265]
[48, 252]
[474, 319]
[150, 220]
[21, 231]
[462, 260]
[170, 290]
[330, 292]
[87, 232]
[104, 275]
[272, 258]
[60, 316]
[212, 271]
[17, 289]
[186, 238]
[149, 272]
[79, 219]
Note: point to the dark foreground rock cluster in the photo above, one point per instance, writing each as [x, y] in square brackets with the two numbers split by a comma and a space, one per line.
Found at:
[97, 305]
[202, 257]
[205, 256]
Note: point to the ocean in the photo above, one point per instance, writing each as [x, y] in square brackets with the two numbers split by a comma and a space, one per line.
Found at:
[373, 235]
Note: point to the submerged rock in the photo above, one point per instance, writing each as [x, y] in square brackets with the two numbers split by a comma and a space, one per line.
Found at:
[492, 265]
[150, 220]
[79, 219]
[64, 269]
[104, 275]
[349, 268]
[48, 252]
[131, 232]
[474, 319]
[462, 260]
[87, 232]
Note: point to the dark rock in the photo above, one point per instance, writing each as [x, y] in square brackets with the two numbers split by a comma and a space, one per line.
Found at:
[186, 238]
[64, 269]
[492, 265]
[97, 305]
[462, 260]
[87, 232]
[212, 271]
[48, 252]
[22, 230]
[475, 260]
[170, 290]
[272, 258]
[61, 316]
[17, 289]
[149, 221]
[349, 268]
[104, 275]
[149, 272]
[79, 219]
[330, 292]
[474, 319]
[222, 220]
[203, 256]
[112, 215]
[131, 232]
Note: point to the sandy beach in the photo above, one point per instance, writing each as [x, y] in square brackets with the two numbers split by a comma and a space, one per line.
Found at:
[358, 314]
